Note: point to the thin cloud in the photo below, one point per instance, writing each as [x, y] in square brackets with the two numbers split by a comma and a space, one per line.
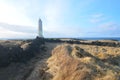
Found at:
[53, 11]
[18, 28]
[12, 15]
[4, 33]
[97, 15]
[107, 29]
[97, 18]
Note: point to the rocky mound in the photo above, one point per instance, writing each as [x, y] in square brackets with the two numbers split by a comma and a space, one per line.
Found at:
[19, 51]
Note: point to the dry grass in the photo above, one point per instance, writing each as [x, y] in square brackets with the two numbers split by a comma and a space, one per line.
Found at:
[63, 65]
[73, 63]
[68, 62]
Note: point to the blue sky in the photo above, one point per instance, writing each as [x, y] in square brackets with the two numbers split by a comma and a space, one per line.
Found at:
[61, 18]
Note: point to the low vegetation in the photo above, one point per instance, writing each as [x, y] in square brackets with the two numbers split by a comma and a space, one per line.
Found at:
[55, 59]
[73, 63]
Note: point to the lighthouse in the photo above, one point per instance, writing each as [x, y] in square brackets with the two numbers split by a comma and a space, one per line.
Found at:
[40, 32]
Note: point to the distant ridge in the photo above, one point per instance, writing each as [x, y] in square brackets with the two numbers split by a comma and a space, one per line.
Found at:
[102, 38]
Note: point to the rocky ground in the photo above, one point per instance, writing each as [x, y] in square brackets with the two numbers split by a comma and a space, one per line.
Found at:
[56, 60]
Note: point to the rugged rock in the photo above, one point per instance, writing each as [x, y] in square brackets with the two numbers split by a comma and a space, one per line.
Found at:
[19, 53]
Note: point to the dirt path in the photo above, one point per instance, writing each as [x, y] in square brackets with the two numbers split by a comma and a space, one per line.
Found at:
[21, 71]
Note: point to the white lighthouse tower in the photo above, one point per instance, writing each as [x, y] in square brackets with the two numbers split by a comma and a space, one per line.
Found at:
[40, 32]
